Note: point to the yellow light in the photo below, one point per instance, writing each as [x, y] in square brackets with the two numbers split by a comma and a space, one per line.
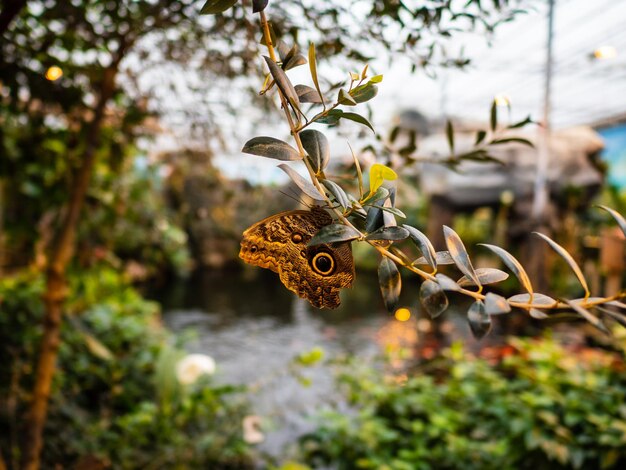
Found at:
[54, 73]
[605, 52]
[502, 100]
[403, 314]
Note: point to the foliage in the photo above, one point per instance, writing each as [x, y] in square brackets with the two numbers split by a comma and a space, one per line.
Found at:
[542, 407]
[116, 398]
[371, 216]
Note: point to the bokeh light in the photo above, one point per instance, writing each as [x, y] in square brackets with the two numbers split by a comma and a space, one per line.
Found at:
[54, 73]
[605, 52]
[403, 314]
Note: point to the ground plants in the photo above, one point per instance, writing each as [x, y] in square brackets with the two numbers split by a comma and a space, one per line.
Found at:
[542, 406]
[116, 401]
[371, 216]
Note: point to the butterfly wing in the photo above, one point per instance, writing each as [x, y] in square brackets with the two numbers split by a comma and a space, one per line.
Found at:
[314, 273]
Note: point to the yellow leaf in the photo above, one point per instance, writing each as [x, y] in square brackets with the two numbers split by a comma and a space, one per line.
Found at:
[378, 174]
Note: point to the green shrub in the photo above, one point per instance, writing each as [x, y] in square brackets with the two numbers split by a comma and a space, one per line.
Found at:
[116, 398]
[542, 407]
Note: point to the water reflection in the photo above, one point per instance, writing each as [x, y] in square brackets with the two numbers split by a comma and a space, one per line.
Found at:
[254, 327]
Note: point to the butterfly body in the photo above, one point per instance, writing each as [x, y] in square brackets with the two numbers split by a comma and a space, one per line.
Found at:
[280, 243]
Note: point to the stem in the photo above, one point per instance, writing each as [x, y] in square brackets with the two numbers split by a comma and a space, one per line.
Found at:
[296, 127]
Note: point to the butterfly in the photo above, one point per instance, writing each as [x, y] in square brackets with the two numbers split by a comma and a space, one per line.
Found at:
[315, 273]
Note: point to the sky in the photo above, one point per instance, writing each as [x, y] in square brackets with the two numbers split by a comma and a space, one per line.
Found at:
[585, 90]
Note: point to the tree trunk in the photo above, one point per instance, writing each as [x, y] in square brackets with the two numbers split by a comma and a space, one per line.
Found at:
[56, 285]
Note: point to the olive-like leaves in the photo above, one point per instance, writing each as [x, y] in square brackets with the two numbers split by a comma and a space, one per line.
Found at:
[317, 148]
[479, 320]
[271, 148]
[334, 233]
[459, 254]
[433, 298]
[390, 283]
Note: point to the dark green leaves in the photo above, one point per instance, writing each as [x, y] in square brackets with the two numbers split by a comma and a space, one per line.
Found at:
[450, 135]
[388, 233]
[259, 5]
[459, 254]
[271, 148]
[306, 94]
[479, 320]
[345, 98]
[424, 245]
[338, 193]
[317, 148]
[334, 233]
[433, 298]
[511, 262]
[333, 117]
[562, 252]
[306, 187]
[364, 93]
[284, 84]
[213, 7]
[390, 283]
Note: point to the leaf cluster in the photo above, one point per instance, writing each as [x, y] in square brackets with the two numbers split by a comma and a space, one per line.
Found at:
[542, 407]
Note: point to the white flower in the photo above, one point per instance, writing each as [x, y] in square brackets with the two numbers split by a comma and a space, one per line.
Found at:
[251, 430]
[192, 367]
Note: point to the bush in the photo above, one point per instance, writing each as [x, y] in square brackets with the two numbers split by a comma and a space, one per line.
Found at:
[542, 407]
[116, 399]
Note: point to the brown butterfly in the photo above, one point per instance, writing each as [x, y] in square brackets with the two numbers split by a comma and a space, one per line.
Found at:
[315, 273]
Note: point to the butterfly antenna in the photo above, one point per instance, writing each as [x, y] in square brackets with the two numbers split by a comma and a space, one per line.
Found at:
[297, 199]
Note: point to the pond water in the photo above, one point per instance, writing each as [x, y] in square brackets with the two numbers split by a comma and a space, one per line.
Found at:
[253, 327]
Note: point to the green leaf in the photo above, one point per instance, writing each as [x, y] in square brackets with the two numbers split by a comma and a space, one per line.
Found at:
[306, 187]
[447, 284]
[479, 320]
[522, 123]
[376, 79]
[331, 117]
[310, 358]
[213, 7]
[339, 194]
[271, 148]
[390, 283]
[617, 216]
[493, 117]
[388, 233]
[450, 135]
[424, 245]
[313, 68]
[433, 298]
[259, 5]
[306, 94]
[364, 93]
[345, 98]
[595, 321]
[496, 304]
[459, 254]
[284, 84]
[294, 61]
[534, 299]
[485, 276]
[507, 140]
[480, 136]
[317, 148]
[334, 233]
[378, 174]
[392, 210]
[374, 219]
[562, 252]
[511, 262]
[357, 118]
[380, 194]
[441, 257]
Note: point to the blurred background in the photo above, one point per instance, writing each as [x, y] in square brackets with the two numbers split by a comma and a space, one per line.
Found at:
[139, 109]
